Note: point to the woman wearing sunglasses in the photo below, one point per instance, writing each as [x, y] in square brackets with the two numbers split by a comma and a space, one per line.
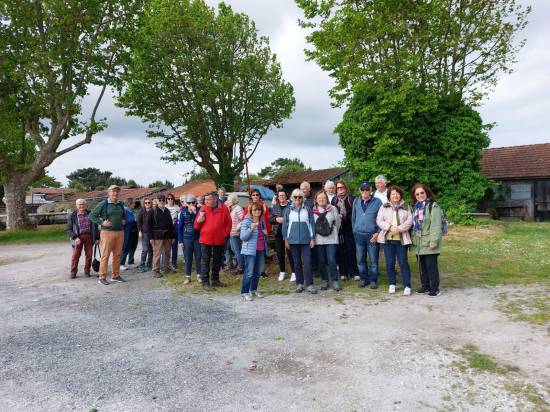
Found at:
[426, 237]
[254, 236]
[255, 198]
[188, 236]
[299, 237]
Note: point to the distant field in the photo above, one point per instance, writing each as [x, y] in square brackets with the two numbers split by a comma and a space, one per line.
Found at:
[50, 233]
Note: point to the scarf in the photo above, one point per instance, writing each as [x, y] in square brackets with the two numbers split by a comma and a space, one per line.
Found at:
[341, 203]
[419, 211]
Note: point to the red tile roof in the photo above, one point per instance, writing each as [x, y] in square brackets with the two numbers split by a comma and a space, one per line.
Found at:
[194, 187]
[312, 176]
[517, 162]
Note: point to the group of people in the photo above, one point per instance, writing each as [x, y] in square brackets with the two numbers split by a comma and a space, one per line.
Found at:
[330, 233]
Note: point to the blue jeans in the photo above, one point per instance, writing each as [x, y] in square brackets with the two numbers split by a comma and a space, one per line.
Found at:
[251, 275]
[302, 253]
[326, 255]
[191, 247]
[364, 247]
[236, 248]
[146, 251]
[394, 249]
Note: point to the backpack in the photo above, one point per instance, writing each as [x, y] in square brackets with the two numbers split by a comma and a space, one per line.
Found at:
[444, 221]
[322, 227]
[104, 213]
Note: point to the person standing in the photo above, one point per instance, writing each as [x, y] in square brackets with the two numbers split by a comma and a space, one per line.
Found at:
[427, 237]
[146, 263]
[162, 236]
[299, 237]
[330, 190]
[277, 219]
[365, 231]
[381, 188]
[174, 212]
[237, 214]
[309, 202]
[214, 223]
[222, 195]
[83, 234]
[327, 225]
[254, 237]
[188, 237]
[394, 220]
[131, 235]
[109, 216]
[346, 254]
[255, 198]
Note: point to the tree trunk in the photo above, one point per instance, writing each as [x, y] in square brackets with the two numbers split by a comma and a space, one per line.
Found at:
[16, 208]
[226, 178]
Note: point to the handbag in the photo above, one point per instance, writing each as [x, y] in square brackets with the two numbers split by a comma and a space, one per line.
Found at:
[95, 262]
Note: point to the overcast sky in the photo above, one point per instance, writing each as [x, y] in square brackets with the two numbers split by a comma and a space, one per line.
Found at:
[520, 106]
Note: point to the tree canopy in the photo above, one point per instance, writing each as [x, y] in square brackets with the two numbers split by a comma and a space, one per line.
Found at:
[206, 83]
[91, 178]
[450, 46]
[159, 183]
[281, 167]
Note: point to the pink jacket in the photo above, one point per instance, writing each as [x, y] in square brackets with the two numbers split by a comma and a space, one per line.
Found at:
[236, 213]
[384, 220]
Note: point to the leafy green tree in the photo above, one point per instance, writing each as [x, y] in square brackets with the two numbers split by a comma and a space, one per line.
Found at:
[89, 178]
[414, 136]
[115, 180]
[47, 181]
[281, 167]
[206, 83]
[450, 46]
[133, 184]
[51, 53]
[201, 174]
[159, 183]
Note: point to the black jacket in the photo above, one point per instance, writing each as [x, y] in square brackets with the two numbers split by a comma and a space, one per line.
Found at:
[160, 225]
[277, 211]
[74, 230]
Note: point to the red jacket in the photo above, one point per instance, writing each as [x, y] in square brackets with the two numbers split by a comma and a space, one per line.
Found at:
[265, 215]
[217, 225]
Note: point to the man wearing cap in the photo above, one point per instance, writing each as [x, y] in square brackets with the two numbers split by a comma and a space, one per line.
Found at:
[365, 231]
[214, 223]
[162, 235]
[109, 216]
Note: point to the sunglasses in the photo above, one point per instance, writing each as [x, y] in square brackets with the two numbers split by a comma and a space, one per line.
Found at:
[147, 203]
[191, 203]
[365, 190]
[419, 193]
[254, 195]
[340, 187]
[298, 197]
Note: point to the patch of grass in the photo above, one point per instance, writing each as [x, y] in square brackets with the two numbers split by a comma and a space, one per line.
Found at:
[339, 299]
[528, 392]
[533, 308]
[481, 362]
[50, 233]
[278, 338]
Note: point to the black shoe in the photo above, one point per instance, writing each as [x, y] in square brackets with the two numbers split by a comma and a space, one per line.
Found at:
[103, 282]
[362, 284]
[218, 284]
[87, 274]
[373, 285]
[263, 275]
[206, 286]
[72, 275]
[422, 290]
[434, 294]
[118, 279]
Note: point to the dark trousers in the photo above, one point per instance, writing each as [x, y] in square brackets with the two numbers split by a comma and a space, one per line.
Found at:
[146, 251]
[393, 249]
[302, 253]
[326, 255]
[429, 272]
[214, 253]
[346, 255]
[191, 247]
[281, 252]
[87, 244]
[130, 245]
[175, 254]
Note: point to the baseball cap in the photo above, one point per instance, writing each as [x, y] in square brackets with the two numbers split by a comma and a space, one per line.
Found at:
[365, 186]
[114, 187]
[161, 197]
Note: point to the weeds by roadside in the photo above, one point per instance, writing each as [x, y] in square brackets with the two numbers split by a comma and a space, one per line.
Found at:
[51, 233]
[533, 308]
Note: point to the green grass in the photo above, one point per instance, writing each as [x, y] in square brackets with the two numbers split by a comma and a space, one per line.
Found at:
[532, 307]
[481, 362]
[50, 233]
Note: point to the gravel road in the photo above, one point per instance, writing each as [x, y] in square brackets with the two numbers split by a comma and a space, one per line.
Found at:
[75, 345]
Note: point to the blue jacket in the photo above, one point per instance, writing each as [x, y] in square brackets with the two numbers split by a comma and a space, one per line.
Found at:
[365, 222]
[299, 225]
[130, 220]
[186, 229]
[250, 237]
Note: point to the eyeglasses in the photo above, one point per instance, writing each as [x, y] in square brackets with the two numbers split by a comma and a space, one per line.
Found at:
[340, 187]
[191, 203]
[365, 190]
[254, 195]
[147, 203]
[161, 200]
[419, 193]
[169, 198]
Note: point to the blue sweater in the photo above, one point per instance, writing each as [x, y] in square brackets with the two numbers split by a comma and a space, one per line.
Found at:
[186, 229]
[250, 237]
[364, 222]
[299, 225]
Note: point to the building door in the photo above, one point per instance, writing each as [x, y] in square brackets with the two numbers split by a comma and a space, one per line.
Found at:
[542, 200]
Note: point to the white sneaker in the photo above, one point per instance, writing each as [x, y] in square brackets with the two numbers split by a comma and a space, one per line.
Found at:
[247, 297]
[122, 267]
[357, 278]
[391, 289]
[258, 295]
[281, 276]
[293, 277]
[407, 292]
[342, 278]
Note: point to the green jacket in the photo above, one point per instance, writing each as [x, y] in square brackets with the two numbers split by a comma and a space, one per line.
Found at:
[115, 213]
[431, 233]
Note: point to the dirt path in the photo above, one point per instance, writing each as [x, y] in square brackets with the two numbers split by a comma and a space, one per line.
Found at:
[73, 345]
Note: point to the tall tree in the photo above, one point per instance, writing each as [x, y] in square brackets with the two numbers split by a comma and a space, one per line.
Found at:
[47, 181]
[206, 83]
[51, 53]
[89, 178]
[159, 183]
[281, 167]
[451, 46]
